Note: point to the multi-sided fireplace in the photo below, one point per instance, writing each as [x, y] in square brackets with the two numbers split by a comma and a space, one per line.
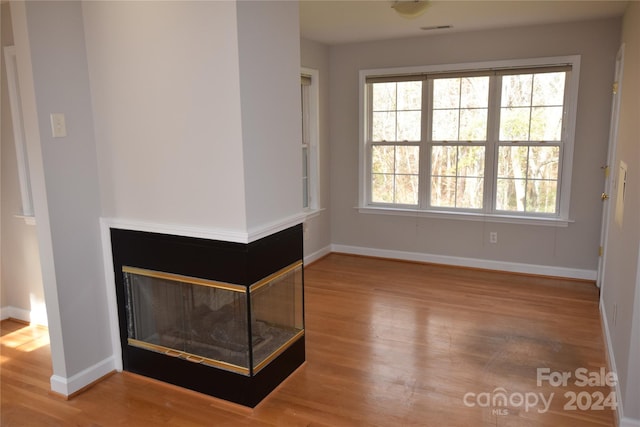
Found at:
[220, 318]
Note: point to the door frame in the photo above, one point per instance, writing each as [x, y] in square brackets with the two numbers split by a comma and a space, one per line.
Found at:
[609, 169]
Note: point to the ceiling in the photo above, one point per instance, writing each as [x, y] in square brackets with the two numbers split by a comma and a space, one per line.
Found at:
[348, 21]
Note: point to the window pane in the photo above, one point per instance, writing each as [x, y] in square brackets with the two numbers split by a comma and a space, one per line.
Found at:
[305, 192]
[528, 179]
[546, 124]
[384, 126]
[469, 193]
[305, 161]
[473, 125]
[470, 161]
[395, 171]
[543, 163]
[443, 191]
[396, 114]
[409, 125]
[457, 176]
[512, 162]
[384, 96]
[407, 159]
[382, 188]
[544, 93]
[410, 95]
[446, 93]
[305, 177]
[445, 125]
[383, 158]
[510, 195]
[407, 189]
[443, 160]
[514, 124]
[474, 92]
[460, 108]
[516, 90]
[541, 196]
[548, 89]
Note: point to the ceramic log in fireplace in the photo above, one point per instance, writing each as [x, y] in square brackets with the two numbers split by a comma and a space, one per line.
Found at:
[221, 318]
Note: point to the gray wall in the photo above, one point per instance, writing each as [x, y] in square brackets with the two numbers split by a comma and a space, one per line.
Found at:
[50, 36]
[318, 233]
[621, 284]
[575, 246]
[269, 56]
[21, 292]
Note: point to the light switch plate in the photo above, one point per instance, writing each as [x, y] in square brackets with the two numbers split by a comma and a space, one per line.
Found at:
[58, 125]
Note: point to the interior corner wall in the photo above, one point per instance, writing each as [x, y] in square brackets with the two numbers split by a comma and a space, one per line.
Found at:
[165, 83]
[21, 289]
[317, 241]
[53, 67]
[269, 54]
[572, 247]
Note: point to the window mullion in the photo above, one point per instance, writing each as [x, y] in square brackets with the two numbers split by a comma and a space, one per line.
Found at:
[425, 145]
[493, 138]
[368, 140]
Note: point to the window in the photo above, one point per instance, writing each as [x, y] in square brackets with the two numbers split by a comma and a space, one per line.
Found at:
[18, 136]
[482, 139]
[309, 139]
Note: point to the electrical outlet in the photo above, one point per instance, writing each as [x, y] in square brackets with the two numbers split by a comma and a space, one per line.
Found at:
[493, 237]
[58, 125]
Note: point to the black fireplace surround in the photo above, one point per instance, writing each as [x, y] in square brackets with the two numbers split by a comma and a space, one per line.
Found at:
[237, 264]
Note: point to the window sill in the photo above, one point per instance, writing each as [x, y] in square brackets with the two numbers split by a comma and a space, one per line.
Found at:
[467, 216]
[28, 219]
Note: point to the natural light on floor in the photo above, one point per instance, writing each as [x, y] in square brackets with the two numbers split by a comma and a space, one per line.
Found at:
[25, 339]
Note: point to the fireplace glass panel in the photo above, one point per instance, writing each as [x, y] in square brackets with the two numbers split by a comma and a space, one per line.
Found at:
[198, 320]
[276, 314]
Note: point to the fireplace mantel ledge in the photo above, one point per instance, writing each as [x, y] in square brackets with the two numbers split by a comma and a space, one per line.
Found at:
[226, 235]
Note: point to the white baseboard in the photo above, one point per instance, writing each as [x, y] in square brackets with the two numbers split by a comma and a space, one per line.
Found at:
[512, 267]
[68, 386]
[622, 420]
[317, 255]
[35, 317]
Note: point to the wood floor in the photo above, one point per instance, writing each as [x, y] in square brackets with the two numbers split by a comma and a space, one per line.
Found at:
[388, 344]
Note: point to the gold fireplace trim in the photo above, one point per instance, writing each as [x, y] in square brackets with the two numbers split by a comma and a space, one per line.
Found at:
[190, 357]
[184, 279]
[277, 352]
[274, 276]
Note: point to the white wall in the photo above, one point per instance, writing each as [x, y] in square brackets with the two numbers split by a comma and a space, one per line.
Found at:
[21, 292]
[621, 282]
[574, 247]
[269, 53]
[165, 83]
[317, 241]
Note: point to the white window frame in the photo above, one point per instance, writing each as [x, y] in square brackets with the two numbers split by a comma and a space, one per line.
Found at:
[313, 122]
[568, 138]
[15, 104]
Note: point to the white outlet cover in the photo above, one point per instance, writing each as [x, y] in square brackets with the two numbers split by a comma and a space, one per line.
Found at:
[58, 125]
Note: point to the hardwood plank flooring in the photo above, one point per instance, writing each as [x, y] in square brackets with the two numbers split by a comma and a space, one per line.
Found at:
[388, 344]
